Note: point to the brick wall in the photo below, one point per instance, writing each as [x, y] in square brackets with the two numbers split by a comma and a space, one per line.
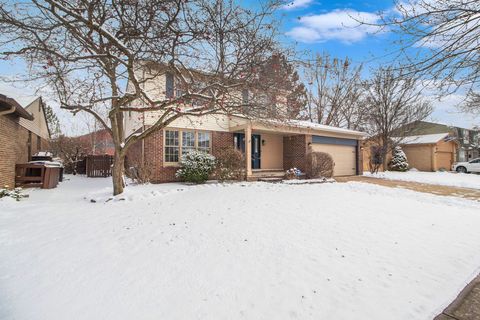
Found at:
[359, 158]
[154, 158]
[221, 140]
[295, 150]
[153, 154]
[13, 148]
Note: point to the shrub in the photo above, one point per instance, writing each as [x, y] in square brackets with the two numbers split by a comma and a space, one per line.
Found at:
[377, 154]
[15, 193]
[319, 165]
[196, 166]
[399, 160]
[230, 165]
[140, 173]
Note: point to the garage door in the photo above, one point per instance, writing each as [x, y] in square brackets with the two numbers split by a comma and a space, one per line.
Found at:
[444, 160]
[343, 156]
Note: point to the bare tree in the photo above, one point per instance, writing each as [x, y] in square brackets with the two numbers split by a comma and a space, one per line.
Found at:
[70, 150]
[393, 101]
[439, 40]
[88, 50]
[335, 92]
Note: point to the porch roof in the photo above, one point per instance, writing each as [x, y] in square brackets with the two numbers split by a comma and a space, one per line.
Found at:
[295, 127]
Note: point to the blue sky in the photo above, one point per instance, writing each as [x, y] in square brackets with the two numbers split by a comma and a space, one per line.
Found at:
[327, 26]
[324, 26]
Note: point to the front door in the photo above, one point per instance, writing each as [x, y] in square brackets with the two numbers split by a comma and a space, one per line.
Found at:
[256, 151]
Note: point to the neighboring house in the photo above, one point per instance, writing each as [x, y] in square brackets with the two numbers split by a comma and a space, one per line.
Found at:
[23, 132]
[468, 140]
[98, 142]
[270, 147]
[430, 152]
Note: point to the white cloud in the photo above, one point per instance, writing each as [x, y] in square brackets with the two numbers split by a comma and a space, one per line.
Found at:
[342, 25]
[296, 4]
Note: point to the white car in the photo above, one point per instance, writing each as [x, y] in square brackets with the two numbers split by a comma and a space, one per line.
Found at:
[470, 166]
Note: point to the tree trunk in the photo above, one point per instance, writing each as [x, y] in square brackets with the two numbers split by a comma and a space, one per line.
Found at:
[117, 173]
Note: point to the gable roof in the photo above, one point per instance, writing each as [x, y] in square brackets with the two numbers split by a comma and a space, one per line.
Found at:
[423, 139]
[38, 124]
[10, 103]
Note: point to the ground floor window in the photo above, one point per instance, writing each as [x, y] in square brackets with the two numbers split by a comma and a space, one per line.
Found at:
[178, 142]
[172, 147]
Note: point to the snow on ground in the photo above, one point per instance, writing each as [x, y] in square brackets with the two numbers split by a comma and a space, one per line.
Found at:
[234, 251]
[451, 179]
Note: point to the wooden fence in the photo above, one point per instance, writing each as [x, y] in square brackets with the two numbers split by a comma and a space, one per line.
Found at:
[99, 166]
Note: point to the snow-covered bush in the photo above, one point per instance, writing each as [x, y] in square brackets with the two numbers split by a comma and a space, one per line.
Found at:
[319, 165]
[399, 160]
[230, 165]
[15, 193]
[196, 166]
[293, 173]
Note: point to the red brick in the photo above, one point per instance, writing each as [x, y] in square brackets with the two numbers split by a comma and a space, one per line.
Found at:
[295, 150]
[153, 154]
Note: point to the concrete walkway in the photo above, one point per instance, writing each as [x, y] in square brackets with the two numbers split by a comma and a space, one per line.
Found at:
[467, 304]
[472, 194]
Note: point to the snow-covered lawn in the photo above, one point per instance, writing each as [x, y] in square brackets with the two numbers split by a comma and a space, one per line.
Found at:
[451, 179]
[239, 251]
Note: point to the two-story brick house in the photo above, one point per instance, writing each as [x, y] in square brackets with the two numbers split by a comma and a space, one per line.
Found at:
[269, 146]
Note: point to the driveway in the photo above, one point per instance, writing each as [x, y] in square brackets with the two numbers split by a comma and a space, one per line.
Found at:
[473, 194]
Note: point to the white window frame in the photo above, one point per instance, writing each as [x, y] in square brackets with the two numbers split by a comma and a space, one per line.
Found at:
[180, 143]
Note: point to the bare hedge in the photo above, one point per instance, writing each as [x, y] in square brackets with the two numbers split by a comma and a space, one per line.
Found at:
[230, 165]
[319, 165]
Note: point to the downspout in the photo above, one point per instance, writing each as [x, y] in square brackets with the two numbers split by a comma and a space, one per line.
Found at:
[143, 149]
[143, 122]
[5, 112]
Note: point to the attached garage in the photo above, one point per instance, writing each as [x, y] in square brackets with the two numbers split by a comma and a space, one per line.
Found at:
[430, 152]
[343, 152]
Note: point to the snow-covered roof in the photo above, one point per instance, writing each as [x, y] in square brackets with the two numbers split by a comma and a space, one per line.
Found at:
[317, 126]
[301, 124]
[423, 139]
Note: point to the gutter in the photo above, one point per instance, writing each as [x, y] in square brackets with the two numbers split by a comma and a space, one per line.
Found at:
[9, 111]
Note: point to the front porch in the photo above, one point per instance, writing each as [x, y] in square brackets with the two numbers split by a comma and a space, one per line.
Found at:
[269, 153]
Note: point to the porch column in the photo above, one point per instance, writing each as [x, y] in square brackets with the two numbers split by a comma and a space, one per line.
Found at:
[248, 148]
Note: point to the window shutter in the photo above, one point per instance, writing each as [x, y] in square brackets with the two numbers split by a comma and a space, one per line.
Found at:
[169, 85]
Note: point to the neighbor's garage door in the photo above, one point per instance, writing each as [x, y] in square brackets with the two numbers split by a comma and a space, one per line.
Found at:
[343, 156]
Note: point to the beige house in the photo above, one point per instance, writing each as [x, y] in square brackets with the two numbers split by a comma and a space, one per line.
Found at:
[270, 147]
[23, 132]
[430, 152]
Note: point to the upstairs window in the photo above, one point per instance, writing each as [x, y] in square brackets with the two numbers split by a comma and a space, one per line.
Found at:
[169, 85]
[245, 96]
